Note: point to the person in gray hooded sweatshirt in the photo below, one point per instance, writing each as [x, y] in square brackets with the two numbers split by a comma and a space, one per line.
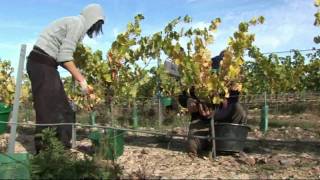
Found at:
[55, 46]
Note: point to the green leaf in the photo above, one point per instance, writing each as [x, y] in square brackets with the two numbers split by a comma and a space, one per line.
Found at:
[187, 19]
[317, 39]
[243, 27]
[261, 19]
[107, 77]
[317, 19]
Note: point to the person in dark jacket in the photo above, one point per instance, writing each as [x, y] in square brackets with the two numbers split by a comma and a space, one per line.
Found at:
[55, 46]
[216, 61]
[229, 111]
[200, 122]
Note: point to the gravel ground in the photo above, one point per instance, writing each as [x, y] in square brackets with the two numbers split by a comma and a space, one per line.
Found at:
[284, 152]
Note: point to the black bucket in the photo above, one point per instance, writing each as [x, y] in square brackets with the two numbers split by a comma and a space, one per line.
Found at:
[231, 131]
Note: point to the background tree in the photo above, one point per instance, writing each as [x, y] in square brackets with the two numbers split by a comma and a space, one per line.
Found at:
[7, 84]
[317, 19]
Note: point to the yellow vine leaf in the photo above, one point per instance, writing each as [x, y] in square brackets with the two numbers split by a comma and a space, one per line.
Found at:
[107, 77]
[2, 77]
[10, 88]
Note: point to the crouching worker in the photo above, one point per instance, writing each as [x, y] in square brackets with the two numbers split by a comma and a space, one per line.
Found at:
[200, 124]
[229, 111]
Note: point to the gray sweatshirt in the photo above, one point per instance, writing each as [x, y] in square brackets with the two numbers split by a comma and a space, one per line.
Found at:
[60, 38]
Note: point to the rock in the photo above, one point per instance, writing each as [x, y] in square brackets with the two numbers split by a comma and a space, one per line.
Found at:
[19, 148]
[298, 129]
[305, 155]
[30, 122]
[3, 142]
[79, 155]
[87, 130]
[285, 155]
[177, 130]
[250, 160]
[236, 155]
[266, 150]
[242, 176]
[85, 142]
[274, 160]
[258, 134]
[287, 162]
[225, 163]
[262, 160]
[144, 151]
[247, 160]
[205, 158]
[291, 177]
[242, 154]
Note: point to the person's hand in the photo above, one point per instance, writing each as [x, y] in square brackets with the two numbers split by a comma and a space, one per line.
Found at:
[192, 105]
[205, 111]
[92, 97]
[195, 106]
[224, 103]
[85, 88]
[90, 90]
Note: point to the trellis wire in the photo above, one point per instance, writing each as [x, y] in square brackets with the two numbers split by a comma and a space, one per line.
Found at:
[158, 133]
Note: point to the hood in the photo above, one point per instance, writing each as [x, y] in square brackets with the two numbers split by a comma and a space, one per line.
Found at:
[92, 13]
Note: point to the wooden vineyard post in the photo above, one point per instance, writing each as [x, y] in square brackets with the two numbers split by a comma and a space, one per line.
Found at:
[160, 115]
[74, 136]
[111, 114]
[15, 112]
[213, 153]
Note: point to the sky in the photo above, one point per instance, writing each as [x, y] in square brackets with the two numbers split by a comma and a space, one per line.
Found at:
[288, 23]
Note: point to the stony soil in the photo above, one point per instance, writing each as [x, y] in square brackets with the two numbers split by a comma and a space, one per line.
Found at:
[138, 162]
[284, 152]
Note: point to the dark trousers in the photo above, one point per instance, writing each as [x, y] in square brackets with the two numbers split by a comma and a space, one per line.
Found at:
[50, 101]
[198, 127]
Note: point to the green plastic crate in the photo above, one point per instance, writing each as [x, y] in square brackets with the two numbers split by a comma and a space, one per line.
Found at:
[14, 166]
[109, 145]
[166, 101]
[95, 137]
[4, 117]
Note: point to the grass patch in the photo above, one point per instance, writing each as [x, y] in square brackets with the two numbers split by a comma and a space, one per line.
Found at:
[303, 124]
[276, 122]
[268, 167]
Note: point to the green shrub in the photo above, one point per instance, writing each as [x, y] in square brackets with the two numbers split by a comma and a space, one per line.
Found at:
[54, 162]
